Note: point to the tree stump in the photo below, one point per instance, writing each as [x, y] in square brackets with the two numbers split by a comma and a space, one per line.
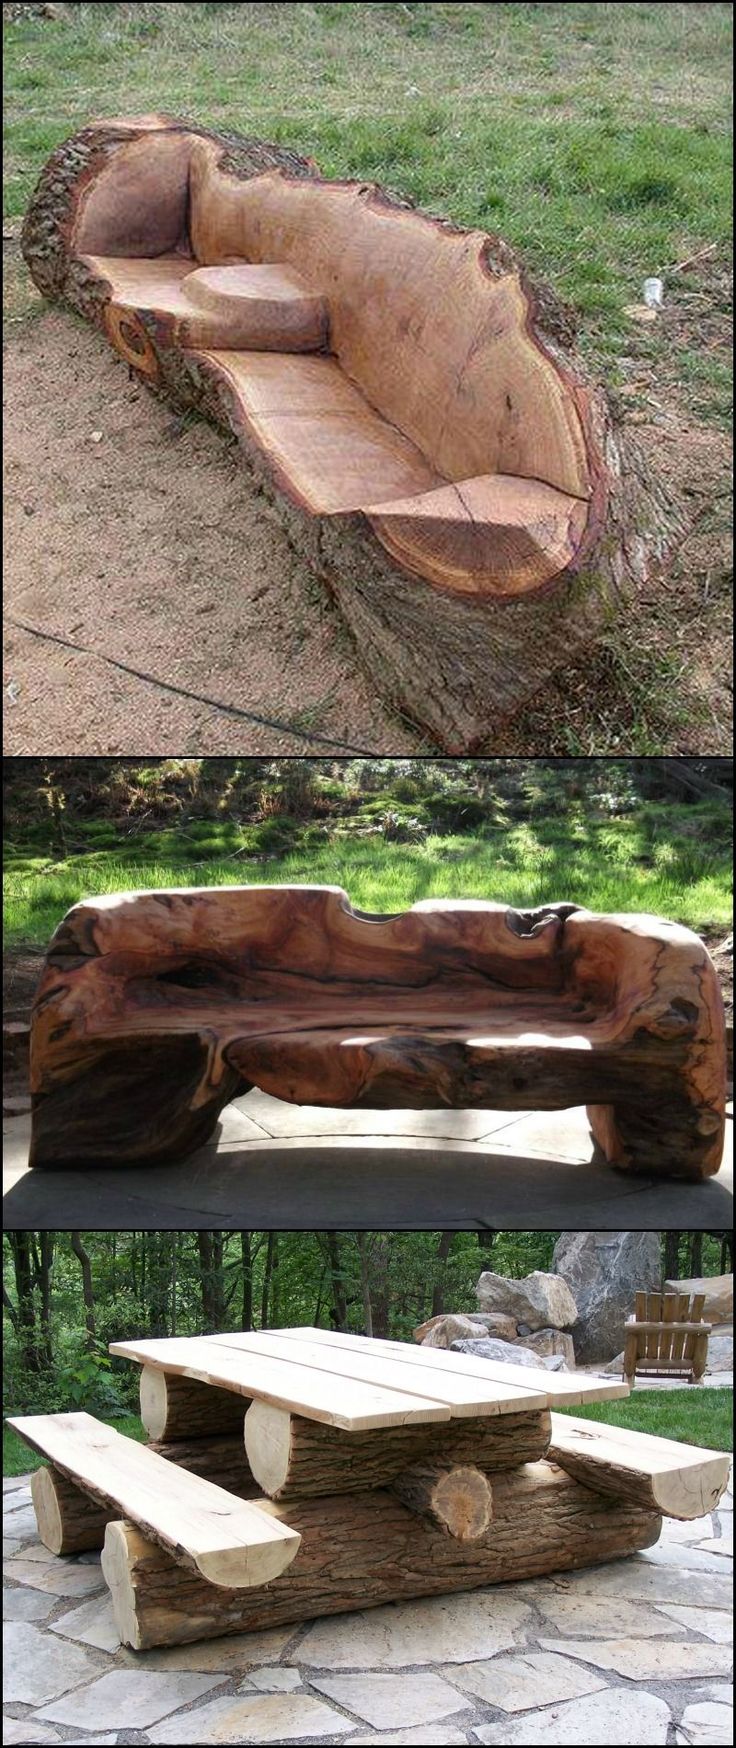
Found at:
[440, 457]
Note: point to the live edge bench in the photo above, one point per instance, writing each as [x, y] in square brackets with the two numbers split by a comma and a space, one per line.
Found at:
[358, 1472]
[155, 1009]
[399, 386]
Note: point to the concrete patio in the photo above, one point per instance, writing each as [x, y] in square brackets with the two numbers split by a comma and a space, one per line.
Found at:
[290, 1166]
[634, 1652]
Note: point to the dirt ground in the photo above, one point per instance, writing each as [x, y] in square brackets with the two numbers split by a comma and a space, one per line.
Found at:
[136, 534]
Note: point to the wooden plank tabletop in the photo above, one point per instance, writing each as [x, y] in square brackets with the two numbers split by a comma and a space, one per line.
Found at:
[558, 1388]
[381, 1383]
[229, 1541]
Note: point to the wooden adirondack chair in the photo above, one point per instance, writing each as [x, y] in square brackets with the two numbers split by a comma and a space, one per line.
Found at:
[666, 1337]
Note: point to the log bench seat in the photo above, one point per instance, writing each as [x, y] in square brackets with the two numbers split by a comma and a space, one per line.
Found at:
[156, 1009]
[409, 398]
[226, 1541]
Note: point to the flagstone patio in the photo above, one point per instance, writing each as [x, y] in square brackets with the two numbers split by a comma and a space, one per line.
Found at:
[635, 1652]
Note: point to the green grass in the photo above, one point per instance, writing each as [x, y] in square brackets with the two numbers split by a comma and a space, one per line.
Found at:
[673, 861]
[19, 1459]
[593, 136]
[693, 1416]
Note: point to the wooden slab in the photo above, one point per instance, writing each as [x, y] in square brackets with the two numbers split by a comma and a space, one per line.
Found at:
[684, 1481]
[465, 1396]
[292, 1385]
[230, 1542]
[570, 1388]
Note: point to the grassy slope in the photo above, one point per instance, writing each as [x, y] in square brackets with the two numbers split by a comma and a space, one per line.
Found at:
[696, 1417]
[673, 861]
[593, 136]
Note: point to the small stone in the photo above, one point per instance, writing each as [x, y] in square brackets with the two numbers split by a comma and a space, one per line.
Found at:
[656, 1658]
[639, 1580]
[273, 1681]
[95, 436]
[640, 312]
[92, 1624]
[18, 1496]
[262, 1718]
[138, 1698]
[21, 1523]
[683, 1555]
[27, 1730]
[390, 1701]
[620, 1719]
[693, 1530]
[37, 1668]
[715, 1624]
[708, 1723]
[26, 1605]
[533, 1678]
[443, 1629]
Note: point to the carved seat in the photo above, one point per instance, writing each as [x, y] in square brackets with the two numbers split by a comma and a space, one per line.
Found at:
[157, 1008]
[387, 372]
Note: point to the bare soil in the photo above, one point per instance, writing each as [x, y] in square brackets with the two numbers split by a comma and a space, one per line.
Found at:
[137, 535]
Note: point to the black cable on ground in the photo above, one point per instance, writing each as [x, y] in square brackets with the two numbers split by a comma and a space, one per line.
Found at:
[304, 734]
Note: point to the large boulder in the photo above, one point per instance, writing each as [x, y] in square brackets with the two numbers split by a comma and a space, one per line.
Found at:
[442, 1331]
[541, 1301]
[546, 1343]
[604, 1271]
[718, 1292]
[508, 1353]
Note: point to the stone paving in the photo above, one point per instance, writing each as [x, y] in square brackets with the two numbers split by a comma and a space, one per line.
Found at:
[634, 1652]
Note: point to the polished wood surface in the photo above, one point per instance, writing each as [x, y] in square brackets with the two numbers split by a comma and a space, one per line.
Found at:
[155, 1009]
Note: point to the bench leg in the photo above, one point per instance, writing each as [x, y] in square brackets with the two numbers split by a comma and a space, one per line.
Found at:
[662, 1137]
[68, 1521]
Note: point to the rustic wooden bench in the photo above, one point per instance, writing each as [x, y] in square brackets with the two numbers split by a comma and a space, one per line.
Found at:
[667, 1337]
[228, 1542]
[406, 1473]
[155, 1009]
[410, 398]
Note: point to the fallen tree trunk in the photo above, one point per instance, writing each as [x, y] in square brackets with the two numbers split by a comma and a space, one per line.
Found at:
[458, 1501]
[174, 1407]
[292, 1457]
[522, 517]
[362, 1549]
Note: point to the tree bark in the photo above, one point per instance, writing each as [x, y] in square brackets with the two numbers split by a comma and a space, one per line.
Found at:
[221, 1460]
[68, 1520]
[174, 1407]
[438, 1291]
[360, 1550]
[456, 663]
[292, 1457]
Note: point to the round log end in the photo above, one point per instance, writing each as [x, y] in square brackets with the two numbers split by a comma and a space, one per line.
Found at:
[47, 1509]
[154, 1405]
[116, 1569]
[268, 1445]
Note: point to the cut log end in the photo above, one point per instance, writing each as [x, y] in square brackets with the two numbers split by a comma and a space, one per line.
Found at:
[458, 1500]
[174, 1407]
[68, 1521]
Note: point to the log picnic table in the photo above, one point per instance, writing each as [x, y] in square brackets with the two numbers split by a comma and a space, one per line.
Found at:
[301, 1472]
[155, 1009]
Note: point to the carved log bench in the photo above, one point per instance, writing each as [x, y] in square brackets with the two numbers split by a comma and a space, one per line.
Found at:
[405, 1473]
[155, 1009]
[409, 397]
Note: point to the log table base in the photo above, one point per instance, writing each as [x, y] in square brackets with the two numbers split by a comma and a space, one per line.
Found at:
[410, 400]
[156, 1009]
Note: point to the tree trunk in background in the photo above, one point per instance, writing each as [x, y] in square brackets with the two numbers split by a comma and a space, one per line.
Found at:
[339, 1313]
[672, 1256]
[438, 1292]
[246, 1253]
[365, 1283]
[696, 1253]
[157, 1246]
[45, 1265]
[174, 1262]
[268, 1273]
[20, 1245]
[380, 1293]
[210, 1248]
[87, 1288]
[486, 1239]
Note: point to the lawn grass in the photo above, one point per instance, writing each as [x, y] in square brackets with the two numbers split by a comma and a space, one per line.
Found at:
[693, 1416]
[19, 1459]
[673, 861]
[593, 136]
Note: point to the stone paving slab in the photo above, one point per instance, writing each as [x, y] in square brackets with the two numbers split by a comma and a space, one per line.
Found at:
[272, 1164]
[635, 1652]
